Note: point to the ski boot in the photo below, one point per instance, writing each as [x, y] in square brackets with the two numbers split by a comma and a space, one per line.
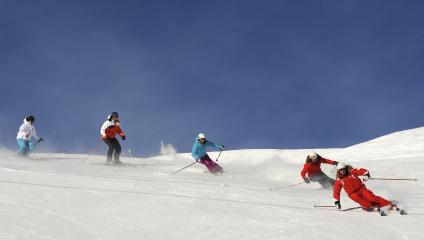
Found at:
[381, 212]
[400, 211]
[116, 160]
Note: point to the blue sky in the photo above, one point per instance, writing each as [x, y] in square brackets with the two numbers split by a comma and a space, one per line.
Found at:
[250, 74]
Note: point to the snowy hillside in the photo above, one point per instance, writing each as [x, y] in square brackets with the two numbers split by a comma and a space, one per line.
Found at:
[61, 196]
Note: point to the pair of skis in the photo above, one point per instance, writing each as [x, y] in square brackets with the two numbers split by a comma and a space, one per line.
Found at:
[381, 212]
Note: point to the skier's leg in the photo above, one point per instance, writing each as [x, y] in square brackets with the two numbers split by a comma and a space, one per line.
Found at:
[109, 151]
[31, 146]
[208, 163]
[214, 166]
[396, 207]
[325, 181]
[361, 200]
[117, 148]
[331, 181]
[376, 200]
[218, 168]
[22, 146]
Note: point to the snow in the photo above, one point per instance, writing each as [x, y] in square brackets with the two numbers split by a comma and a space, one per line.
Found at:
[61, 196]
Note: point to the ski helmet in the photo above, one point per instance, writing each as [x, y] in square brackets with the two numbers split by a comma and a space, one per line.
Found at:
[201, 136]
[340, 165]
[313, 155]
[30, 119]
[112, 115]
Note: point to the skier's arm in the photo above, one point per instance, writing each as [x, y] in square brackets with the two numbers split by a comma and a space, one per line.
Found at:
[121, 133]
[328, 161]
[304, 170]
[212, 144]
[194, 152]
[34, 134]
[119, 130]
[103, 129]
[360, 172]
[337, 189]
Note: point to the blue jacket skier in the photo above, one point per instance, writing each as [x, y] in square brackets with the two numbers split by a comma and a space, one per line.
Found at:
[199, 153]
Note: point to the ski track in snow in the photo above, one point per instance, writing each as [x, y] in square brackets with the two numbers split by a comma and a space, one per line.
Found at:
[60, 196]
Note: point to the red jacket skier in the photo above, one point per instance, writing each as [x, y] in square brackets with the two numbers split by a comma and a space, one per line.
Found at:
[110, 128]
[348, 179]
[312, 172]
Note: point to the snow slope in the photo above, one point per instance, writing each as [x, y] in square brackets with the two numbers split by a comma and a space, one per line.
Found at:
[61, 196]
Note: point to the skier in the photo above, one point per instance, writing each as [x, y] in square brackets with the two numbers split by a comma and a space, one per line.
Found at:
[312, 168]
[25, 134]
[199, 153]
[110, 128]
[348, 179]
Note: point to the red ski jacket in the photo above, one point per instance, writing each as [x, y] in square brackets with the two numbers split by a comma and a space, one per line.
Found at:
[350, 183]
[312, 168]
[110, 129]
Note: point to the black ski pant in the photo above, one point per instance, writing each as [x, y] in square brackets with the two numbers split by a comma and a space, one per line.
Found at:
[114, 149]
[325, 181]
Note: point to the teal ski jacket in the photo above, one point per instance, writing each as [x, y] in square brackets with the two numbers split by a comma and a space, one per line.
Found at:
[199, 149]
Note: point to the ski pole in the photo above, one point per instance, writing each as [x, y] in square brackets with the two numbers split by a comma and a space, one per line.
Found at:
[291, 185]
[395, 179]
[129, 151]
[295, 184]
[183, 168]
[219, 155]
[91, 152]
[38, 142]
[323, 206]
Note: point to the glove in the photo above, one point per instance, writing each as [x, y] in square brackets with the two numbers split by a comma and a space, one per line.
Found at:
[40, 139]
[366, 177]
[337, 204]
[306, 180]
[123, 138]
[222, 146]
[335, 163]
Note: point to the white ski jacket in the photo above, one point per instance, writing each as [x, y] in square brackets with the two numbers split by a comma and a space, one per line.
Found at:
[27, 131]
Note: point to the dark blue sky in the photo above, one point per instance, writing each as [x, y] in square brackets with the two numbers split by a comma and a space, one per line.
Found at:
[250, 74]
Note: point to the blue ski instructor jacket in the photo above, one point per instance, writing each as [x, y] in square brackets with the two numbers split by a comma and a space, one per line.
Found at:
[199, 149]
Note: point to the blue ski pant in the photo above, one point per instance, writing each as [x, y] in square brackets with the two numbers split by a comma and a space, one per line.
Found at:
[25, 147]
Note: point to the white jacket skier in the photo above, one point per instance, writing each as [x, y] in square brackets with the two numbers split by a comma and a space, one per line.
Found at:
[27, 131]
[25, 134]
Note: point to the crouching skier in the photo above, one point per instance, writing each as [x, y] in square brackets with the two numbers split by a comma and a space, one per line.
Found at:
[348, 179]
[199, 153]
[25, 134]
[312, 168]
[110, 128]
